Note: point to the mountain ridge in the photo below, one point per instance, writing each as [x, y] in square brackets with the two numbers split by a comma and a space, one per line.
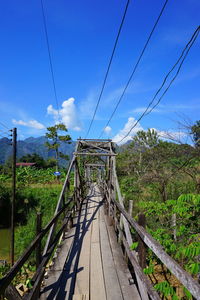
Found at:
[32, 145]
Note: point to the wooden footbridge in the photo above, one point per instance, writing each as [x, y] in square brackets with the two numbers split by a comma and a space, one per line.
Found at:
[88, 248]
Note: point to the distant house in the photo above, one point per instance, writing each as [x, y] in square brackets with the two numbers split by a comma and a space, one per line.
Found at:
[24, 164]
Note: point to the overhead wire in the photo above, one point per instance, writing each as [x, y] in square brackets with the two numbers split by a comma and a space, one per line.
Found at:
[180, 60]
[3, 131]
[4, 126]
[3, 136]
[108, 68]
[50, 56]
[135, 66]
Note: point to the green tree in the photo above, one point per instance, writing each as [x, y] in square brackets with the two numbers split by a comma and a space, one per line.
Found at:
[34, 158]
[195, 130]
[55, 138]
[146, 139]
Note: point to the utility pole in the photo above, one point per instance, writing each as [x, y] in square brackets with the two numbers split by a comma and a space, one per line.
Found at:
[14, 147]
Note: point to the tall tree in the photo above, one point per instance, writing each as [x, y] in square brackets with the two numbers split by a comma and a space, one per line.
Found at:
[195, 130]
[55, 138]
[146, 139]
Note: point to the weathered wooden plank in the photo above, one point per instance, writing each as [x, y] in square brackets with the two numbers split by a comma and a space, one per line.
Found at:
[81, 297]
[97, 286]
[94, 154]
[143, 279]
[96, 267]
[77, 248]
[141, 285]
[113, 289]
[82, 284]
[128, 291]
[52, 282]
[11, 293]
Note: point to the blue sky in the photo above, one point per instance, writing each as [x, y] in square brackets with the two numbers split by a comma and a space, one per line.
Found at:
[81, 36]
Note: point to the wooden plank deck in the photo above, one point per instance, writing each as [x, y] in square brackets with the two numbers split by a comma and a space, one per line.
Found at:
[90, 264]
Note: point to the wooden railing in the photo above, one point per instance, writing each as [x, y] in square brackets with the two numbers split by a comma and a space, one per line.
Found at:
[67, 209]
[123, 223]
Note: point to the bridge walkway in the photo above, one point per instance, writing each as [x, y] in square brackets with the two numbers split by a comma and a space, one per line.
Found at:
[90, 263]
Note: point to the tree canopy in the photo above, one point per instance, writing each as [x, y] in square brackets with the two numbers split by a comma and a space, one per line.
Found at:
[195, 130]
[55, 137]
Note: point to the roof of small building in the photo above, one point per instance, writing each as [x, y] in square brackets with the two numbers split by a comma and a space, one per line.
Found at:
[25, 164]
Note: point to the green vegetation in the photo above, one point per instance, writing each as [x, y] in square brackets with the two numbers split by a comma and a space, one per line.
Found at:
[38, 160]
[163, 179]
[37, 191]
[55, 139]
[33, 199]
[195, 130]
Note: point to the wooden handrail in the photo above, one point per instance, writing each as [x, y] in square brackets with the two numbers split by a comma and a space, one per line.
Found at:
[59, 203]
[6, 280]
[38, 277]
[184, 277]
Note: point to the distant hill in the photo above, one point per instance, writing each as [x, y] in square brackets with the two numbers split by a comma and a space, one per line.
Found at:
[32, 145]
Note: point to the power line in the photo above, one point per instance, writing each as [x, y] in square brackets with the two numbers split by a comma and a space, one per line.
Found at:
[109, 65]
[4, 125]
[5, 133]
[2, 136]
[136, 65]
[50, 56]
[181, 59]
[193, 39]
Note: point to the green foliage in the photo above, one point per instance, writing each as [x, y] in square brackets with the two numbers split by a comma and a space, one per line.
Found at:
[34, 158]
[150, 269]
[187, 293]
[31, 175]
[39, 199]
[180, 240]
[146, 139]
[134, 246]
[4, 270]
[195, 130]
[163, 179]
[54, 140]
[166, 290]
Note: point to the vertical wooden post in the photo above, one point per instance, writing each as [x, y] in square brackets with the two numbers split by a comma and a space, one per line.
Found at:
[109, 187]
[130, 210]
[14, 145]
[121, 225]
[39, 247]
[174, 226]
[141, 244]
[130, 207]
[115, 217]
[38, 230]
[76, 184]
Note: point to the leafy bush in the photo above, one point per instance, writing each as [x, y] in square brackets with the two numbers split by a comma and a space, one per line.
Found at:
[44, 200]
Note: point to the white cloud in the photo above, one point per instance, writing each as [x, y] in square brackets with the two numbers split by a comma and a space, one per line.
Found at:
[107, 129]
[131, 121]
[67, 113]
[32, 123]
[52, 111]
